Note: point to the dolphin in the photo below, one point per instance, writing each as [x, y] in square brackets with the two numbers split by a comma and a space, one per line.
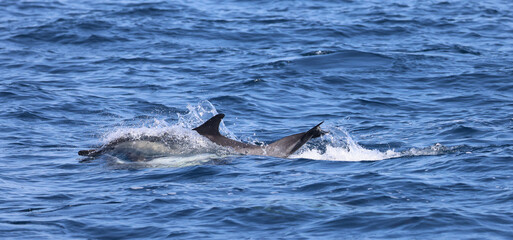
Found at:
[141, 149]
[150, 147]
[280, 148]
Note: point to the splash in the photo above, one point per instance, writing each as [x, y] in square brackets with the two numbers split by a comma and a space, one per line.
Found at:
[200, 113]
[340, 146]
[196, 115]
[183, 146]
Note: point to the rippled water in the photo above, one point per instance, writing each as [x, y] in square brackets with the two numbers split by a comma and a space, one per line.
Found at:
[417, 96]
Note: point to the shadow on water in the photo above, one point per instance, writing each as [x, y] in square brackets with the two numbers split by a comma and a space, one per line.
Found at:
[342, 59]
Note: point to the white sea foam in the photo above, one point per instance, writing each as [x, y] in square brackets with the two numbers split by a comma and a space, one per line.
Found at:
[340, 146]
[357, 153]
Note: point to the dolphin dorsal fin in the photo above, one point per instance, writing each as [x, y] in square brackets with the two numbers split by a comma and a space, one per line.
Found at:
[210, 127]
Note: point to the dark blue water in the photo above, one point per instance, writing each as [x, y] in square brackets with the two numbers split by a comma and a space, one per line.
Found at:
[417, 95]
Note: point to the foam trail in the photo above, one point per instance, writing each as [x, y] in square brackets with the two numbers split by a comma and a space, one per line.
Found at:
[340, 146]
[346, 154]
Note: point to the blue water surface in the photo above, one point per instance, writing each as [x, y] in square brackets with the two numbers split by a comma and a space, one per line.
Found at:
[417, 96]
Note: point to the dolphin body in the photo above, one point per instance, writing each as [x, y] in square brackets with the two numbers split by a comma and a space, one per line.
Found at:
[150, 147]
[281, 148]
[138, 150]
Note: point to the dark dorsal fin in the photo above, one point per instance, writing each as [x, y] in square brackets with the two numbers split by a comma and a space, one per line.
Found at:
[210, 127]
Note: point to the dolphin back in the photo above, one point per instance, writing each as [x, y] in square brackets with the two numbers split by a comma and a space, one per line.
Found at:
[280, 148]
[139, 148]
[210, 130]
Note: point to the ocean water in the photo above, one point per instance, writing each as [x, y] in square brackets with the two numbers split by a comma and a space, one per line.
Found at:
[417, 96]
